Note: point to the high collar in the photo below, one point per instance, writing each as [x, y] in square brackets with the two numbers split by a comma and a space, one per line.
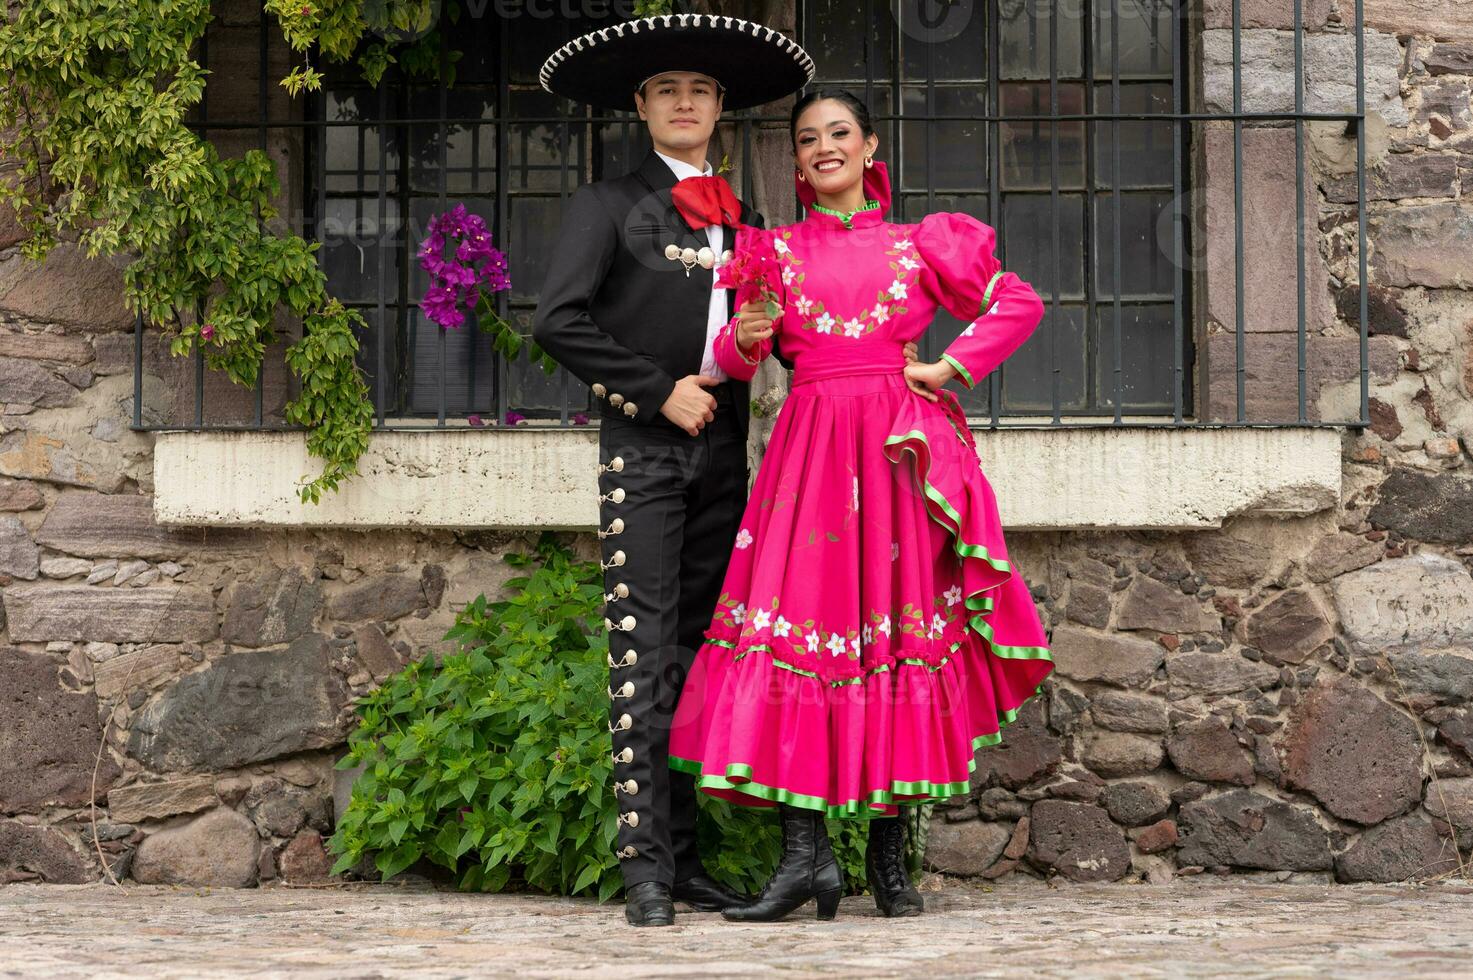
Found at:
[876, 188]
[872, 213]
[681, 169]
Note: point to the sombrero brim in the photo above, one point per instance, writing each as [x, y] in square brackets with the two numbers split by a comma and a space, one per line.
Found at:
[755, 64]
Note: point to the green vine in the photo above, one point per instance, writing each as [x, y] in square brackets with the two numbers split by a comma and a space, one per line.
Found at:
[97, 150]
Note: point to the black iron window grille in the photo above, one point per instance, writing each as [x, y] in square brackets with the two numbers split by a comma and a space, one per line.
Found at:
[1075, 127]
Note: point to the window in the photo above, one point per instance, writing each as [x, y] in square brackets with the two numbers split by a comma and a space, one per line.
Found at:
[1009, 113]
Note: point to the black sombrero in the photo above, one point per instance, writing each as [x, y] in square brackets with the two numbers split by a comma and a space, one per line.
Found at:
[755, 64]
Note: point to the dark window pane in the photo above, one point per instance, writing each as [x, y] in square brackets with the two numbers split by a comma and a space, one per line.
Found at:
[835, 37]
[1145, 241]
[1145, 146]
[1144, 31]
[1031, 227]
[1025, 39]
[1027, 376]
[954, 157]
[351, 244]
[1147, 356]
[942, 38]
[1028, 160]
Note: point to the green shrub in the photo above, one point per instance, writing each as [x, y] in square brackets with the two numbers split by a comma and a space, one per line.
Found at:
[494, 761]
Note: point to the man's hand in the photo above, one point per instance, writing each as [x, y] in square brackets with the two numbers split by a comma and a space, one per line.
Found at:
[924, 379]
[753, 326]
[690, 405]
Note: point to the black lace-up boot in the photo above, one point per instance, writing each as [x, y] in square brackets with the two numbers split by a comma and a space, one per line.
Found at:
[884, 863]
[807, 869]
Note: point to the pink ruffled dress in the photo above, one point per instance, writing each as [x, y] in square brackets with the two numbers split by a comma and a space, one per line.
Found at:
[871, 633]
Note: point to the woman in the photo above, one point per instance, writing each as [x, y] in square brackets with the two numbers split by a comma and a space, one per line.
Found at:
[871, 634]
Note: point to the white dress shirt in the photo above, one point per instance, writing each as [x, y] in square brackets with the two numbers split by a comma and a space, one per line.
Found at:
[716, 310]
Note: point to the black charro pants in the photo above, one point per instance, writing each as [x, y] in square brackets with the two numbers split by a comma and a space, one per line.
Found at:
[682, 499]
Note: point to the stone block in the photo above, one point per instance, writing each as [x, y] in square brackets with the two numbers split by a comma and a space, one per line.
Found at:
[1206, 749]
[1422, 600]
[49, 737]
[1271, 373]
[219, 849]
[242, 708]
[1078, 841]
[166, 798]
[1405, 849]
[19, 556]
[68, 288]
[1245, 829]
[43, 612]
[1124, 661]
[1289, 627]
[42, 854]
[1217, 673]
[1153, 605]
[968, 848]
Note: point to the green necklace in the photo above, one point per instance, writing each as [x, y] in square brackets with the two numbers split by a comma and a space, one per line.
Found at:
[846, 216]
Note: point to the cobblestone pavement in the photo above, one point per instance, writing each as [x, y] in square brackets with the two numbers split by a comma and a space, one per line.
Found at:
[1194, 927]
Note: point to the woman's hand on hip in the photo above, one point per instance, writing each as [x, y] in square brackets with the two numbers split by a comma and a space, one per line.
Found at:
[925, 378]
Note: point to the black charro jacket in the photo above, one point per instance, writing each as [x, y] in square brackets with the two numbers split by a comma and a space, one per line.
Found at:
[618, 313]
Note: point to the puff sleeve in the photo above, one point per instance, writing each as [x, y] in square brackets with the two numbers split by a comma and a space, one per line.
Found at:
[961, 272]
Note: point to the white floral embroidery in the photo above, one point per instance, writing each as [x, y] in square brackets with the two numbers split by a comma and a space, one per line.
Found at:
[993, 307]
[897, 289]
[805, 305]
[869, 634]
[894, 550]
[739, 613]
[760, 619]
[881, 313]
[854, 645]
[906, 262]
[789, 275]
[825, 323]
[781, 627]
[780, 246]
[744, 538]
[884, 626]
[938, 625]
[853, 328]
[971, 329]
[953, 595]
[836, 645]
[902, 245]
[813, 642]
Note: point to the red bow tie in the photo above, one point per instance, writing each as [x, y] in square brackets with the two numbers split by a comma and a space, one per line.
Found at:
[706, 200]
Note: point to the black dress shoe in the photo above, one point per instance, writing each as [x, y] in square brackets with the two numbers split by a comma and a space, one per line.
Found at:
[648, 904]
[884, 863]
[705, 894]
[807, 869]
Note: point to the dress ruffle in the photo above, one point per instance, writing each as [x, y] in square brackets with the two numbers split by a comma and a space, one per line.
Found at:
[768, 715]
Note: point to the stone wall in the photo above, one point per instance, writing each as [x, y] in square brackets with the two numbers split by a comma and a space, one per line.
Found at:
[1289, 696]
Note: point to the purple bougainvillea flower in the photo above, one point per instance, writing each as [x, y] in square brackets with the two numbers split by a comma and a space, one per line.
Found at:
[207, 331]
[475, 420]
[515, 418]
[580, 418]
[473, 266]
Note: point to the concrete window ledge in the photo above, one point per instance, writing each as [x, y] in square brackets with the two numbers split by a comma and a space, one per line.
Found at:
[1143, 478]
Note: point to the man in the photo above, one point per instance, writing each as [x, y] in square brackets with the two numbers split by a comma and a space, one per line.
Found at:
[630, 307]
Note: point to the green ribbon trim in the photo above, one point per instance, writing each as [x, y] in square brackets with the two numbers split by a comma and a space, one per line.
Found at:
[976, 602]
[845, 216]
[962, 373]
